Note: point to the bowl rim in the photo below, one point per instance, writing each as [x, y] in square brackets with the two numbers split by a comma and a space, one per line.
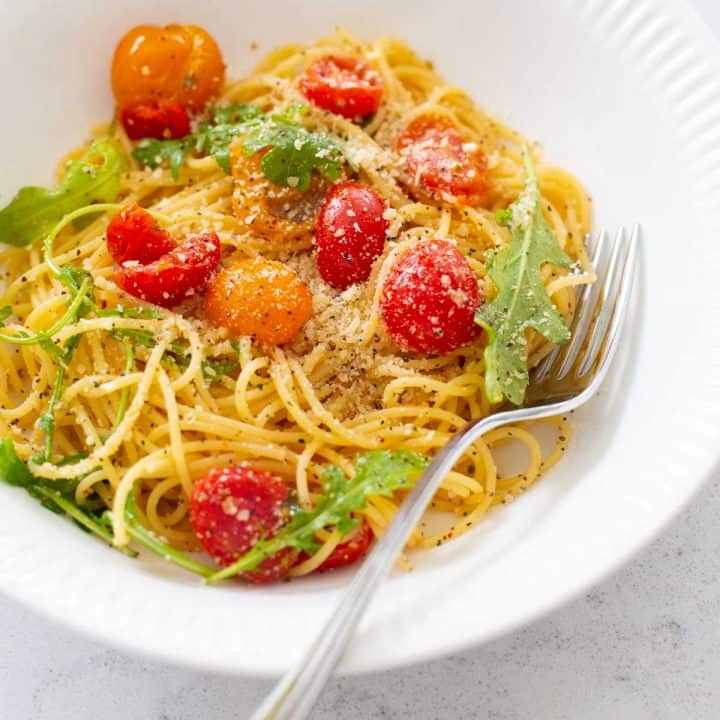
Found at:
[703, 62]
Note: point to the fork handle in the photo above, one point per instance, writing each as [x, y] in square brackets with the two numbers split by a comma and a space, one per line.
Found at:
[295, 694]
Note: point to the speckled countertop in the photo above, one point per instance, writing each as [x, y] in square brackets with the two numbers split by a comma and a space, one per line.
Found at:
[643, 645]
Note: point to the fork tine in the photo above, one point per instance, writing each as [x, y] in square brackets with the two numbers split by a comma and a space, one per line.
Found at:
[594, 245]
[616, 291]
[585, 311]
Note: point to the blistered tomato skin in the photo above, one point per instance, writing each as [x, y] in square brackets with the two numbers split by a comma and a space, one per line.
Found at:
[429, 299]
[233, 507]
[441, 163]
[350, 234]
[343, 85]
[261, 298]
[281, 214]
[164, 120]
[134, 234]
[180, 63]
[174, 277]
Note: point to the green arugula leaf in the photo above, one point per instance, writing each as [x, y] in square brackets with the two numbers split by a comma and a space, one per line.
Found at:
[295, 152]
[379, 472]
[137, 313]
[503, 217]
[213, 369]
[46, 422]
[13, 470]
[148, 540]
[144, 338]
[56, 496]
[216, 140]
[125, 392]
[95, 177]
[522, 301]
[176, 355]
[153, 153]
[73, 277]
[236, 113]
[212, 138]
[5, 313]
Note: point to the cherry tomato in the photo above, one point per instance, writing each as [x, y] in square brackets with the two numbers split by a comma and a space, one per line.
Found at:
[180, 63]
[282, 214]
[430, 298]
[176, 276]
[349, 551]
[160, 120]
[350, 234]
[442, 162]
[261, 298]
[343, 85]
[232, 507]
[134, 234]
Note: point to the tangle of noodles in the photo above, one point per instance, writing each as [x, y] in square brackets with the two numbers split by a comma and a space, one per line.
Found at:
[340, 388]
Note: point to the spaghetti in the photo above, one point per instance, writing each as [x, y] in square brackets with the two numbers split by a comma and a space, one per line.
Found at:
[151, 403]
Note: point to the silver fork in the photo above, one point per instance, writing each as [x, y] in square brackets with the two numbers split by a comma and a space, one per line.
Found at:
[566, 379]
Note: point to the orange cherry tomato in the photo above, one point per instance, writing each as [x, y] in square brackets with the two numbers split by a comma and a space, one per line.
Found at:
[261, 298]
[277, 213]
[441, 162]
[182, 63]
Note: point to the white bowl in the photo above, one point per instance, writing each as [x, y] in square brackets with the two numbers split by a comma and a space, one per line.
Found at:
[626, 95]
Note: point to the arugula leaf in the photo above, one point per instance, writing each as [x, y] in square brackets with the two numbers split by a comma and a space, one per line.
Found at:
[153, 153]
[46, 422]
[379, 472]
[56, 496]
[213, 369]
[295, 152]
[177, 355]
[145, 338]
[76, 308]
[215, 140]
[212, 138]
[148, 540]
[522, 301]
[5, 313]
[137, 313]
[95, 177]
[13, 470]
[236, 113]
[125, 392]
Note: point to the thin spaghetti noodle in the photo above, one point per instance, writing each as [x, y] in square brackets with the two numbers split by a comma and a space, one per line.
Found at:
[340, 388]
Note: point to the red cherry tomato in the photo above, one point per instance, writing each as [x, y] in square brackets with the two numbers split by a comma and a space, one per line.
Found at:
[134, 234]
[350, 550]
[440, 160]
[350, 234]
[430, 298]
[232, 507]
[175, 276]
[161, 120]
[343, 85]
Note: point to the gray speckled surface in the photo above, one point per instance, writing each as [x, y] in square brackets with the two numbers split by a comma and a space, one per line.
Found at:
[643, 645]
